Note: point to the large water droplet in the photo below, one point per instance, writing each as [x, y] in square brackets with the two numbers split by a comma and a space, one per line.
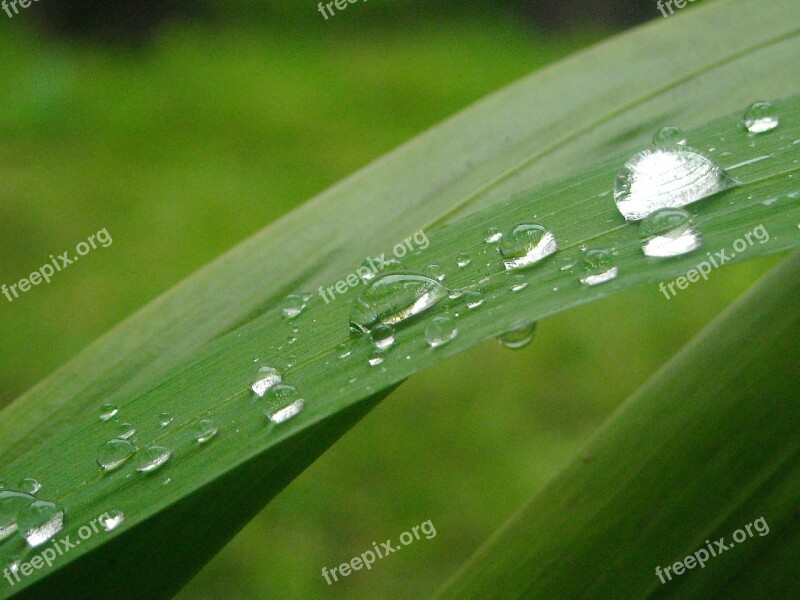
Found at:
[666, 177]
[669, 232]
[11, 503]
[598, 268]
[282, 394]
[205, 430]
[382, 336]
[111, 519]
[268, 377]
[108, 411]
[527, 244]
[394, 298]
[669, 136]
[30, 486]
[114, 453]
[440, 331]
[287, 412]
[151, 458]
[40, 521]
[518, 337]
[761, 117]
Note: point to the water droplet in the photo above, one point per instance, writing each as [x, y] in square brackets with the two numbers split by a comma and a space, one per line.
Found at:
[394, 298]
[30, 486]
[455, 294]
[343, 351]
[377, 357]
[40, 521]
[463, 260]
[669, 136]
[268, 377]
[527, 245]
[669, 232]
[436, 272]
[151, 458]
[11, 503]
[125, 431]
[666, 177]
[205, 430]
[14, 565]
[493, 235]
[281, 394]
[597, 267]
[519, 283]
[519, 336]
[293, 306]
[440, 331]
[114, 453]
[790, 195]
[769, 201]
[473, 299]
[761, 117]
[111, 519]
[382, 336]
[287, 412]
[108, 412]
[164, 419]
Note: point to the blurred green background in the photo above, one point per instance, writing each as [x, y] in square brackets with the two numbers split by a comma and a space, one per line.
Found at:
[199, 130]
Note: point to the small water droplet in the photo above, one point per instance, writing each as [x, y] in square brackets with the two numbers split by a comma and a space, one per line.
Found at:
[108, 411]
[343, 351]
[382, 336]
[164, 419]
[769, 201]
[282, 394]
[527, 244]
[293, 305]
[14, 565]
[377, 357]
[40, 521]
[151, 458]
[669, 232]
[455, 294]
[205, 431]
[11, 503]
[111, 519]
[394, 298]
[436, 272]
[669, 136]
[790, 195]
[666, 177]
[114, 453]
[761, 117]
[473, 299]
[519, 336]
[287, 412]
[268, 377]
[463, 260]
[440, 331]
[493, 235]
[597, 267]
[125, 431]
[519, 283]
[29, 486]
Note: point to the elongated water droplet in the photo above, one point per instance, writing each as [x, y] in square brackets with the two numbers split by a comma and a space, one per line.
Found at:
[287, 412]
[268, 377]
[151, 458]
[114, 453]
[463, 260]
[598, 268]
[440, 331]
[527, 244]
[520, 283]
[40, 521]
[30, 486]
[111, 520]
[382, 336]
[473, 299]
[205, 431]
[164, 419]
[761, 117]
[394, 298]
[11, 503]
[293, 305]
[666, 177]
[343, 351]
[669, 232]
[108, 411]
[519, 336]
[669, 136]
[125, 431]
[493, 235]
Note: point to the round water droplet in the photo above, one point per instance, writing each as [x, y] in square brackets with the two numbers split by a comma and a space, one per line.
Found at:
[761, 117]
[205, 431]
[111, 520]
[394, 298]
[268, 377]
[11, 503]
[666, 177]
[519, 336]
[151, 458]
[343, 351]
[40, 521]
[598, 268]
[124, 431]
[527, 244]
[29, 486]
[377, 357]
[463, 260]
[287, 412]
[114, 453]
[669, 136]
[473, 299]
[293, 306]
[164, 419]
[669, 232]
[436, 272]
[440, 331]
[108, 411]
[282, 394]
[382, 336]
[493, 235]
[519, 284]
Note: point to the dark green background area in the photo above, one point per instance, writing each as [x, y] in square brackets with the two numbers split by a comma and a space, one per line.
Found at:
[186, 144]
